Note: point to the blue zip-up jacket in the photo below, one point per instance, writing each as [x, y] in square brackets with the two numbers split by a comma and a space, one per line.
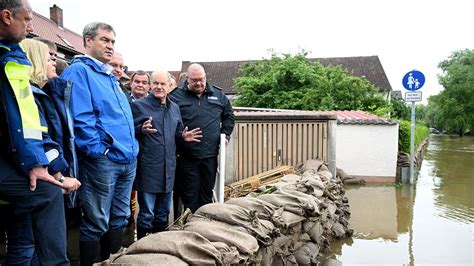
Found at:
[59, 90]
[24, 147]
[103, 122]
[51, 129]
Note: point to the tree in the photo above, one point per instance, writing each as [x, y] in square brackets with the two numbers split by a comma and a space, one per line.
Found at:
[294, 82]
[400, 109]
[453, 108]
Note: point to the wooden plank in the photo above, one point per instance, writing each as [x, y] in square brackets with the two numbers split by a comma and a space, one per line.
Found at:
[245, 186]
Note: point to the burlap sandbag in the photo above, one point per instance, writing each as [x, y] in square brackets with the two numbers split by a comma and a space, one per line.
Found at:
[291, 178]
[221, 232]
[230, 255]
[288, 202]
[313, 164]
[147, 259]
[307, 254]
[294, 201]
[190, 247]
[324, 173]
[238, 216]
[338, 230]
[313, 185]
[314, 230]
[264, 209]
[285, 219]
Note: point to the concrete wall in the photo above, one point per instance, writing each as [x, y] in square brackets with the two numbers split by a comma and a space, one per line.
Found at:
[367, 150]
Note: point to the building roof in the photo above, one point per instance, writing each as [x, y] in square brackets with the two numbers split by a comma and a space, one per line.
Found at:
[63, 37]
[343, 117]
[223, 73]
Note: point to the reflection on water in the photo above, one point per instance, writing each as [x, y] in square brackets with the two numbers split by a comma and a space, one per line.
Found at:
[430, 222]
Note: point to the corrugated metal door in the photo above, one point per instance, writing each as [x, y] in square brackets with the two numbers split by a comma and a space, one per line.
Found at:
[259, 147]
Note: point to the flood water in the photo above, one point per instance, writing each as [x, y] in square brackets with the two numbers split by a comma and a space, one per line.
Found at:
[430, 222]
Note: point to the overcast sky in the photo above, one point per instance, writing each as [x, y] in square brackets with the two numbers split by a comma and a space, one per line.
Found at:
[405, 34]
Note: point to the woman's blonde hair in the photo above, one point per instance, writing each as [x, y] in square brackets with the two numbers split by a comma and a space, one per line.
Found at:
[38, 54]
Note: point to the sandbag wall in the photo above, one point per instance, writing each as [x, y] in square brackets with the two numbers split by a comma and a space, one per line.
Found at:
[288, 223]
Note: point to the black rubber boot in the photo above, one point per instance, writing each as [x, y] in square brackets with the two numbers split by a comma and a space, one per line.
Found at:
[89, 252]
[115, 240]
[110, 243]
[159, 226]
[104, 247]
[142, 232]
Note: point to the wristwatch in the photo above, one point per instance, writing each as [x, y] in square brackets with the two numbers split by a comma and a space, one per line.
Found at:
[61, 179]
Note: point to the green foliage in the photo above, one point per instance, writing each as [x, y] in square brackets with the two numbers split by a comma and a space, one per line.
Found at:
[452, 110]
[293, 82]
[400, 109]
[421, 133]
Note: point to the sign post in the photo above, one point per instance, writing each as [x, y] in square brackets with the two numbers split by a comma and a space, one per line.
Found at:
[413, 81]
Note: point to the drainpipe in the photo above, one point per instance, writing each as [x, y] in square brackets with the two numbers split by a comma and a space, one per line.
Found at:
[332, 126]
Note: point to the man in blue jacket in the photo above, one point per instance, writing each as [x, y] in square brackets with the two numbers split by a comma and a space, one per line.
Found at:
[23, 163]
[106, 144]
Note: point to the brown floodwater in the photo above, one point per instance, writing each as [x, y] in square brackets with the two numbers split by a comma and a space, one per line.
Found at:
[429, 222]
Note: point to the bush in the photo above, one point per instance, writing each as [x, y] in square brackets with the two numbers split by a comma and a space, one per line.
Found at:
[421, 132]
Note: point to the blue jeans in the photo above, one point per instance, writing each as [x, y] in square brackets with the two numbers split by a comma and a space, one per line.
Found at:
[105, 195]
[39, 220]
[153, 207]
[20, 241]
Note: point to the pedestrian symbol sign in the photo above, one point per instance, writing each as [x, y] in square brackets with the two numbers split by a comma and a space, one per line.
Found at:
[413, 80]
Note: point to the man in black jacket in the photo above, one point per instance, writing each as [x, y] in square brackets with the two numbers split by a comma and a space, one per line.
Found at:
[206, 107]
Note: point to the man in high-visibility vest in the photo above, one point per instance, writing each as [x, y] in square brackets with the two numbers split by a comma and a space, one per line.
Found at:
[24, 179]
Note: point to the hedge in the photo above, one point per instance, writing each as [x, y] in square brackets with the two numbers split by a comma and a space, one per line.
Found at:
[421, 132]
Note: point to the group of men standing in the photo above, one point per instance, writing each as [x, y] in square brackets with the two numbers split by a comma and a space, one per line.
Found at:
[119, 142]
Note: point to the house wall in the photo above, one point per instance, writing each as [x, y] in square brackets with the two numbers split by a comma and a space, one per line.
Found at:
[367, 151]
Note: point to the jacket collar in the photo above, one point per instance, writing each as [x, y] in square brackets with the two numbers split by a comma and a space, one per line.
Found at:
[93, 63]
[207, 91]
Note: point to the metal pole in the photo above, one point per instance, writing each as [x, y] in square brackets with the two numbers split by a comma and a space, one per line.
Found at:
[220, 184]
[412, 143]
[332, 133]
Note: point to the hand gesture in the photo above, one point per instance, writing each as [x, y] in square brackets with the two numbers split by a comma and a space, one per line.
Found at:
[41, 173]
[193, 135]
[71, 184]
[147, 127]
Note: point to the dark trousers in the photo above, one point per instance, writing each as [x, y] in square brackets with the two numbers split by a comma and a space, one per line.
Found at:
[45, 206]
[195, 179]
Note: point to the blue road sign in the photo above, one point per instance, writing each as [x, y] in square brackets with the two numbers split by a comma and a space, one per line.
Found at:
[413, 80]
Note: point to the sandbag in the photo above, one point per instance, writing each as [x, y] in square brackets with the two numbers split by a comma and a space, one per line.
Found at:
[148, 259]
[191, 247]
[307, 254]
[229, 255]
[290, 178]
[313, 164]
[219, 232]
[308, 203]
[264, 209]
[288, 202]
[238, 216]
[314, 230]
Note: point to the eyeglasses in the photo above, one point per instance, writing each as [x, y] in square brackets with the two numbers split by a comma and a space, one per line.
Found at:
[118, 66]
[197, 80]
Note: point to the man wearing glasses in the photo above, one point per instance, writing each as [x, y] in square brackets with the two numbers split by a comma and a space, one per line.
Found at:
[203, 106]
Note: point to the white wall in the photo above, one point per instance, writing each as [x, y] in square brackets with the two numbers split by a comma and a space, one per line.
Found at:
[367, 150]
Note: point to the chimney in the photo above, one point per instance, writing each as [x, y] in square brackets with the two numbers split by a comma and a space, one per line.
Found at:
[56, 15]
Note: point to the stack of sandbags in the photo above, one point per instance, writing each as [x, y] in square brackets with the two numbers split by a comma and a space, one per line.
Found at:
[290, 224]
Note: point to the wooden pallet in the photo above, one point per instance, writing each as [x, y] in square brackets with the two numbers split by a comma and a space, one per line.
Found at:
[245, 186]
